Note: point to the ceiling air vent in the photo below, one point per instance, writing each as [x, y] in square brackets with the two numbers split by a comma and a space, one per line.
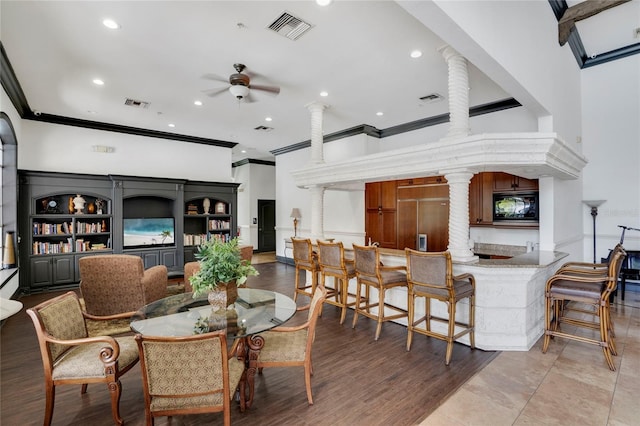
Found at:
[434, 97]
[136, 104]
[289, 26]
[264, 128]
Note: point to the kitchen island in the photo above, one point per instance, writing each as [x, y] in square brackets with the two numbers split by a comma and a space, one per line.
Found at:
[509, 297]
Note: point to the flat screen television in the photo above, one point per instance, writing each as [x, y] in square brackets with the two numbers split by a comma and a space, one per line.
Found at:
[149, 232]
[515, 207]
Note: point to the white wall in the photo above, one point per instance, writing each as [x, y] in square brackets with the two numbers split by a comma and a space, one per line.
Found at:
[611, 139]
[68, 149]
[242, 176]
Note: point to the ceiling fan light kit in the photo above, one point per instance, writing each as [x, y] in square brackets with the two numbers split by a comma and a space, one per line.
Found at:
[239, 91]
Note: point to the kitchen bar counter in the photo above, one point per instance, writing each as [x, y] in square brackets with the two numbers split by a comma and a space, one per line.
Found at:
[509, 297]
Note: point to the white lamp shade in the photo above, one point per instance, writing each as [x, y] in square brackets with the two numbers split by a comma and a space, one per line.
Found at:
[295, 213]
[239, 91]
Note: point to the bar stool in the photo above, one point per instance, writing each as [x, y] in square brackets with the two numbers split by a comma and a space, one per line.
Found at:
[333, 264]
[590, 289]
[371, 274]
[305, 260]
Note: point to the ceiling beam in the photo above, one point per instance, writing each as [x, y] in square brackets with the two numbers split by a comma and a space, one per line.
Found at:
[580, 11]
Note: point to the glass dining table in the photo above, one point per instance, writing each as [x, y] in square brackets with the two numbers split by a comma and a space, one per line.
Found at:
[253, 312]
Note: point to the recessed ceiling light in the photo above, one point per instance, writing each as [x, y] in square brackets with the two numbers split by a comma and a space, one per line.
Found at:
[268, 119]
[323, 2]
[324, 94]
[379, 113]
[91, 112]
[244, 151]
[111, 24]
[98, 82]
[172, 125]
[198, 103]
[416, 54]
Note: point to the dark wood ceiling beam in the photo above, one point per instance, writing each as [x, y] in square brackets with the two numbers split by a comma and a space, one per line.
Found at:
[581, 11]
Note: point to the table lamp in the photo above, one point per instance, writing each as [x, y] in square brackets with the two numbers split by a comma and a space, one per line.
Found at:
[295, 214]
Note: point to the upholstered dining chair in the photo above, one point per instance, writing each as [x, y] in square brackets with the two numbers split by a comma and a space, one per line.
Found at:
[333, 264]
[69, 356]
[591, 289]
[306, 260]
[371, 274]
[291, 346]
[430, 275]
[117, 285]
[188, 375]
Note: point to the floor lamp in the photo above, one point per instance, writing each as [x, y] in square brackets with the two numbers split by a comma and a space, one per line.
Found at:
[594, 204]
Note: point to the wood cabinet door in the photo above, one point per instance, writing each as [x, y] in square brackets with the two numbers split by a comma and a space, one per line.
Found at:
[503, 181]
[407, 224]
[481, 199]
[433, 220]
[526, 184]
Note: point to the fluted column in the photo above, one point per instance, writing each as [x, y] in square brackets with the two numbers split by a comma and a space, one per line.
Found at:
[317, 112]
[317, 212]
[459, 215]
[458, 93]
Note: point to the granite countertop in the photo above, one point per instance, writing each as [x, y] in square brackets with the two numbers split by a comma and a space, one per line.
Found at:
[535, 258]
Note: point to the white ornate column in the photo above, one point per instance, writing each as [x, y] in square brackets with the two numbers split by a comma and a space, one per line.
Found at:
[458, 93]
[317, 110]
[459, 216]
[317, 212]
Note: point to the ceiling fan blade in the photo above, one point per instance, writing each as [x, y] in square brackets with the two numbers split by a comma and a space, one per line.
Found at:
[215, 78]
[269, 89]
[215, 92]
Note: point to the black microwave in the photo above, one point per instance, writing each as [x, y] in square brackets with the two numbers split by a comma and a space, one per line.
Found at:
[516, 207]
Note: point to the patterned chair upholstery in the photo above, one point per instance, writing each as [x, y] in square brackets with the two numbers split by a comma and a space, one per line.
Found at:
[69, 356]
[430, 275]
[305, 260]
[188, 375]
[291, 346]
[190, 268]
[371, 274]
[117, 285]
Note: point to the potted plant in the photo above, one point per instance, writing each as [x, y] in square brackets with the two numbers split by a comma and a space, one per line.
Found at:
[222, 269]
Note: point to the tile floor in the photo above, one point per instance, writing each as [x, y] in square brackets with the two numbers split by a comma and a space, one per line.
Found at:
[569, 385]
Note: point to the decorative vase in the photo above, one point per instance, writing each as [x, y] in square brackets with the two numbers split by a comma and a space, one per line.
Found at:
[206, 205]
[223, 295]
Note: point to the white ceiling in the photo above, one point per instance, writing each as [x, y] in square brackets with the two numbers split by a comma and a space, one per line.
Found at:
[358, 51]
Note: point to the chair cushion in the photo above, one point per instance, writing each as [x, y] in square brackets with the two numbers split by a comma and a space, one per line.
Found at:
[391, 277]
[283, 346]
[84, 360]
[577, 289]
[461, 290]
[350, 267]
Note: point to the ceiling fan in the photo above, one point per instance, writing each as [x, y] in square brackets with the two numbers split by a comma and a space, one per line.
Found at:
[240, 85]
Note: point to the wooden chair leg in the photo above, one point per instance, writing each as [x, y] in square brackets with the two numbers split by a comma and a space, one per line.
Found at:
[357, 305]
[450, 332]
[115, 390]
[410, 307]
[472, 321]
[547, 324]
[50, 399]
[380, 312]
[343, 289]
[307, 380]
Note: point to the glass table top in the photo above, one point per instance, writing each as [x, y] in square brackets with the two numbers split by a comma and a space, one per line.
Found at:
[253, 312]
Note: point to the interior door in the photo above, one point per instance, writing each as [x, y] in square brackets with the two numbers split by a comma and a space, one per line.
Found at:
[266, 225]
